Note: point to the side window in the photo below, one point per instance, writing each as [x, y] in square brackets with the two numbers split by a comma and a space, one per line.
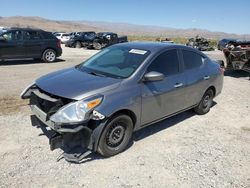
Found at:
[13, 35]
[166, 63]
[192, 60]
[92, 35]
[31, 35]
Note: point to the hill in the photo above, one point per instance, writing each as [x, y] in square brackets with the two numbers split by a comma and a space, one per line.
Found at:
[121, 28]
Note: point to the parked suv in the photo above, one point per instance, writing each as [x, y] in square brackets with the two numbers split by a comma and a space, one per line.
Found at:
[97, 105]
[17, 43]
[63, 37]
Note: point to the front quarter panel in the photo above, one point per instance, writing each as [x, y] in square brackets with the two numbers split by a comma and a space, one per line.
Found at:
[126, 97]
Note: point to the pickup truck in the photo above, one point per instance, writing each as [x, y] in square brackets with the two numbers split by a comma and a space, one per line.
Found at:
[82, 39]
[104, 39]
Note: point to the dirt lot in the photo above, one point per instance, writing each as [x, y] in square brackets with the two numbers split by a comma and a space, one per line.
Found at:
[184, 151]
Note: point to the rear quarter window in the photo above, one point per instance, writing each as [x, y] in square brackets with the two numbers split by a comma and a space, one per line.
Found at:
[192, 60]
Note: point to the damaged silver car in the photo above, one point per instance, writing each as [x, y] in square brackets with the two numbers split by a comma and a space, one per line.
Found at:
[97, 105]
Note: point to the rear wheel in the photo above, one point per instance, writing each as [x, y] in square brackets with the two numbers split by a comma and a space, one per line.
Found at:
[49, 55]
[116, 136]
[205, 103]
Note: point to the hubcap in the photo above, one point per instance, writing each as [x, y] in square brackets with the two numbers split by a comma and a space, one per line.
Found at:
[115, 135]
[206, 101]
[50, 56]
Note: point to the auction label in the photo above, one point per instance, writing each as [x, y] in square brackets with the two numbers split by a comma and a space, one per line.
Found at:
[136, 51]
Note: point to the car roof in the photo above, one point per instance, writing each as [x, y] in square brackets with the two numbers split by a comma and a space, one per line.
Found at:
[102, 33]
[229, 39]
[153, 46]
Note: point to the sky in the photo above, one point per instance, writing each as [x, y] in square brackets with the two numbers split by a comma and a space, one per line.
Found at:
[214, 15]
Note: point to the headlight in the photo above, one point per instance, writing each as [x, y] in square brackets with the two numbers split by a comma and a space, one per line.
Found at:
[75, 112]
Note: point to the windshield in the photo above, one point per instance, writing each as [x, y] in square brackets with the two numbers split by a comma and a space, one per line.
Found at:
[116, 62]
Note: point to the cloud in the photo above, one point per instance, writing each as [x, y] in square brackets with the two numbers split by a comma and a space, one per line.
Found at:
[194, 20]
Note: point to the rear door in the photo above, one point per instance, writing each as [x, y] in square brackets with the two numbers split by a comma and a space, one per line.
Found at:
[12, 46]
[197, 76]
[165, 97]
[33, 43]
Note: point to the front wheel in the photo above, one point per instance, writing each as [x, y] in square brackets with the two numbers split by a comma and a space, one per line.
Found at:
[49, 55]
[97, 45]
[116, 136]
[205, 103]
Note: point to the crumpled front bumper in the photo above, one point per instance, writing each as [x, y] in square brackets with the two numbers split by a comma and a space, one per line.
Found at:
[75, 139]
[61, 131]
[60, 128]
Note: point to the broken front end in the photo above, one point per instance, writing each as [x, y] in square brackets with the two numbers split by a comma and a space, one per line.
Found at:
[74, 126]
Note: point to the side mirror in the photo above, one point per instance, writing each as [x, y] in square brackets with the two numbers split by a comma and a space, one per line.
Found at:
[2, 39]
[153, 76]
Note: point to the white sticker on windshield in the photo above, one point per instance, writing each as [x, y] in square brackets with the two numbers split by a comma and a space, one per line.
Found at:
[136, 51]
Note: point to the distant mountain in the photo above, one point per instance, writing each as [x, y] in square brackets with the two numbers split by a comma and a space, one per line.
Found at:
[48, 25]
[121, 28]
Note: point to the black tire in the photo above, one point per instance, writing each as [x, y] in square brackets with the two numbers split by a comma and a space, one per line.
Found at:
[205, 103]
[116, 135]
[49, 56]
[97, 46]
[78, 44]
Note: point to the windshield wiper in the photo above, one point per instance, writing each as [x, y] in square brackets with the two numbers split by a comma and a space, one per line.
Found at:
[96, 74]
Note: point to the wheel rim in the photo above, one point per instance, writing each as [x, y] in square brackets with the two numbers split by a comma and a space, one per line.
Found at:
[98, 46]
[115, 135]
[50, 56]
[206, 101]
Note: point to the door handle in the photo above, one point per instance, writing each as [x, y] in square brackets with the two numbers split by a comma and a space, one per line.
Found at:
[206, 77]
[177, 85]
[157, 92]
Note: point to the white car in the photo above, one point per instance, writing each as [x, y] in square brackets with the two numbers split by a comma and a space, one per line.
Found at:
[64, 37]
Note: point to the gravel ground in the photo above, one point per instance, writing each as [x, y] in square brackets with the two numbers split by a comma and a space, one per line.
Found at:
[184, 151]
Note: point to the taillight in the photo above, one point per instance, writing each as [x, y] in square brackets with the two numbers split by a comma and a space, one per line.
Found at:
[58, 44]
[222, 70]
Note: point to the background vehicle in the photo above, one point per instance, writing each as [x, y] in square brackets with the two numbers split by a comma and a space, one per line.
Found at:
[237, 55]
[200, 43]
[3, 29]
[82, 39]
[72, 34]
[63, 37]
[98, 104]
[104, 39]
[224, 42]
[16, 43]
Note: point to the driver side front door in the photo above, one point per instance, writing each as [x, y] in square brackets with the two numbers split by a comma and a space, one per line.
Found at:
[163, 98]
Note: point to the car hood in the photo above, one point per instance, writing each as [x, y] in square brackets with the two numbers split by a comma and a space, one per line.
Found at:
[74, 84]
